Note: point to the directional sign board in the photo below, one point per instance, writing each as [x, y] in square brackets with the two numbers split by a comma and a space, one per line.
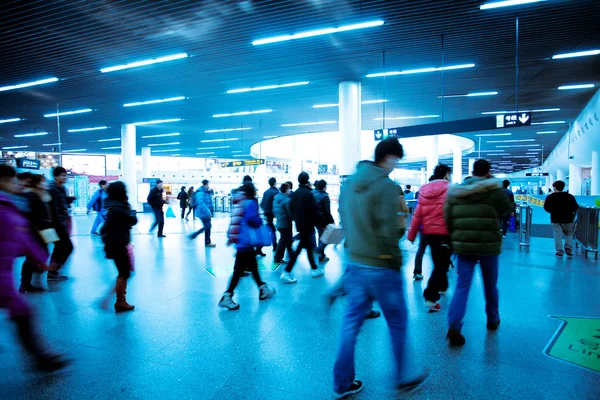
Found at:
[577, 342]
[381, 134]
[242, 163]
[536, 174]
[513, 120]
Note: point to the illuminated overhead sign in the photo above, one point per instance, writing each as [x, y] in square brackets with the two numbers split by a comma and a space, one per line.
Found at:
[242, 163]
[536, 174]
[27, 163]
[513, 120]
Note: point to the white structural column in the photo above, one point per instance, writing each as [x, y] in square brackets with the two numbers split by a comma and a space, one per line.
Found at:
[349, 125]
[432, 155]
[574, 179]
[560, 175]
[295, 162]
[595, 186]
[146, 162]
[423, 176]
[128, 162]
[456, 164]
[471, 164]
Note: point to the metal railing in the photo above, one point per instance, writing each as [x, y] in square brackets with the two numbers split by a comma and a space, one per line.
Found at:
[525, 214]
[586, 229]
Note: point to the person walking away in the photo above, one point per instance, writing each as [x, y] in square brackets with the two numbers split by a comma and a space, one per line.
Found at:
[506, 218]
[408, 194]
[418, 270]
[403, 212]
[59, 208]
[429, 218]
[281, 209]
[473, 210]
[244, 215]
[324, 216]
[191, 204]
[116, 236]
[204, 211]
[303, 208]
[156, 202]
[182, 196]
[267, 206]
[17, 241]
[38, 199]
[374, 261]
[562, 208]
[96, 203]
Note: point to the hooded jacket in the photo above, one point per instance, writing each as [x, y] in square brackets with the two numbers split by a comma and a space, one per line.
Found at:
[155, 199]
[562, 207]
[324, 216]
[303, 207]
[281, 208]
[116, 231]
[267, 200]
[182, 196]
[59, 206]
[369, 215]
[472, 212]
[203, 200]
[429, 215]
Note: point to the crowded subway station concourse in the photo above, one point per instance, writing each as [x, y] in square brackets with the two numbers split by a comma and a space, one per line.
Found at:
[312, 199]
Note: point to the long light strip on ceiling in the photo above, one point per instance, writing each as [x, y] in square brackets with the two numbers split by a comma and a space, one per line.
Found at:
[14, 147]
[51, 144]
[311, 123]
[519, 145]
[506, 3]
[337, 105]
[204, 153]
[83, 110]
[511, 112]
[74, 150]
[28, 84]
[270, 136]
[252, 89]
[219, 140]
[474, 94]
[163, 144]
[226, 130]
[157, 121]
[165, 150]
[572, 87]
[97, 128]
[511, 141]
[161, 135]
[493, 134]
[242, 113]
[420, 71]
[145, 62]
[545, 132]
[318, 32]
[111, 148]
[548, 123]
[109, 140]
[415, 117]
[32, 134]
[213, 148]
[4, 121]
[576, 54]
[143, 103]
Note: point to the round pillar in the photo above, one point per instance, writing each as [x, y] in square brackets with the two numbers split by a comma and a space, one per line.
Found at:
[349, 125]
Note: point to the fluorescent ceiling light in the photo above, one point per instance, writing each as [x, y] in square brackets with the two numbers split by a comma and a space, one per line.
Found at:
[111, 148]
[311, 123]
[582, 86]
[83, 110]
[242, 113]
[373, 101]
[28, 84]
[512, 112]
[73, 151]
[236, 151]
[493, 134]
[157, 121]
[206, 152]
[143, 103]
[548, 123]
[32, 134]
[87, 129]
[474, 94]
[520, 145]
[144, 62]
[51, 144]
[4, 121]
[226, 130]
[545, 132]
[175, 155]
[213, 148]
[415, 117]
[219, 140]
[163, 144]
[420, 71]
[270, 136]
[109, 140]
[165, 150]
[511, 141]
[14, 147]
[162, 135]
[576, 54]
[518, 157]
[317, 32]
[267, 87]
[506, 3]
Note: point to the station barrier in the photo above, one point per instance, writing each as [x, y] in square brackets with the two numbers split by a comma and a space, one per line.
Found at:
[525, 216]
[586, 229]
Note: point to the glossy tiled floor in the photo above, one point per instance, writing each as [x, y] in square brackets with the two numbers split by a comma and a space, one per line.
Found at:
[177, 344]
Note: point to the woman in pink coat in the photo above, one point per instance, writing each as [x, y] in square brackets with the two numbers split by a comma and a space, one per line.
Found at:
[429, 219]
[17, 241]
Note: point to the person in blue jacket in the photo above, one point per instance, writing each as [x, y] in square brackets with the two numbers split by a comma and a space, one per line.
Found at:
[96, 203]
[203, 198]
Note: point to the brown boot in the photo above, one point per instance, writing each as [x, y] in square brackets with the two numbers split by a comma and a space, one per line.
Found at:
[121, 305]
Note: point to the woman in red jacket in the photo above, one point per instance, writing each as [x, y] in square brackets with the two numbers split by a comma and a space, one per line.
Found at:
[429, 218]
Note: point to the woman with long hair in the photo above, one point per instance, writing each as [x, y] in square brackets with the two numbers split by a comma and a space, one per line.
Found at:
[191, 204]
[116, 235]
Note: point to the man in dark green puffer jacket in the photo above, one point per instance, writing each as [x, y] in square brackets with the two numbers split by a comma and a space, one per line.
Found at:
[472, 211]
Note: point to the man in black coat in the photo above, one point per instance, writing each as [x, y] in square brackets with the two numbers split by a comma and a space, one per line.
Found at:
[155, 200]
[562, 207]
[267, 206]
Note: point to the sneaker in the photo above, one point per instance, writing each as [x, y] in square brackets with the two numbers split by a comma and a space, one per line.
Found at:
[455, 337]
[286, 277]
[417, 277]
[492, 326]
[228, 303]
[373, 314]
[260, 253]
[559, 254]
[56, 277]
[161, 236]
[29, 288]
[356, 387]
[51, 363]
[317, 273]
[413, 384]
[569, 253]
[433, 306]
[323, 258]
[210, 245]
[266, 292]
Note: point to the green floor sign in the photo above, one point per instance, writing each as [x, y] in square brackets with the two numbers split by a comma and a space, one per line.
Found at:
[577, 341]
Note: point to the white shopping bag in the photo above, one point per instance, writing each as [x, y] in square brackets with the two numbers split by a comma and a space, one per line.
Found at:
[333, 234]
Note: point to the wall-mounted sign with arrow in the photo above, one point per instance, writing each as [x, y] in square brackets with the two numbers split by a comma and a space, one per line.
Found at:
[577, 342]
[512, 120]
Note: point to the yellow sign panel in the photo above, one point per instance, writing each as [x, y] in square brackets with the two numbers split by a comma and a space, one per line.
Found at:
[577, 341]
[243, 163]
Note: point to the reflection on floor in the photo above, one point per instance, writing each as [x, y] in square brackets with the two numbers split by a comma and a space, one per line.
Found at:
[177, 344]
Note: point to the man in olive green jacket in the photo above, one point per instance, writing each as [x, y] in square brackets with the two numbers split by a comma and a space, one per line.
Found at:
[472, 211]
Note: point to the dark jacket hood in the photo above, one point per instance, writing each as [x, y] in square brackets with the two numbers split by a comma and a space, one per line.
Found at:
[366, 174]
[475, 188]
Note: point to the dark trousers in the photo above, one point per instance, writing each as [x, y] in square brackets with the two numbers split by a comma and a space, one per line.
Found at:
[62, 249]
[440, 254]
[244, 261]
[321, 246]
[206, 227]
[123, 263]
[29, 267]
[159, 220]
[420, 253]
[272, 229]
[191, 209]
[306, 242]
[285, 242]
[183, 212]
[505, 219]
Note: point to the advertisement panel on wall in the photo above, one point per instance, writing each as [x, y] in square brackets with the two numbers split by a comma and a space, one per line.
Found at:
[84, 165]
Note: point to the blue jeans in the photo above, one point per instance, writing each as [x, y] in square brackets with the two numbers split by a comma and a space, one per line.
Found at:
[465, 268]
[206, 227]
[100, 218]
[364, 285]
